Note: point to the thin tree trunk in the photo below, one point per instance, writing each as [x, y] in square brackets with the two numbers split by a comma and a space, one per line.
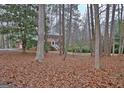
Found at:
[100, 40]
[2, 37]
[45, 28]
[10, 40]
[97, 37]
[41, 30]
[7, 40]
[88, 19]
[3, 41]
[60, 31]
[70, 24]
[24, 36]
[121, 32]
[113, 48]
[92, 30]
[106, 35]
[69, 31]
[0, 40]
[119, 29]
[56, 16]
[122, 45]
[24, 41]
[121, 12]
[51, 14]
[112, 28]
[122, 29]
[63, 29]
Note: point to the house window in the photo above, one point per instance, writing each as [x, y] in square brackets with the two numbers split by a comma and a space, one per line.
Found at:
[53, 43]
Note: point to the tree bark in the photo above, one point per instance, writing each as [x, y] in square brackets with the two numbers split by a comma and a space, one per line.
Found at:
[70, 24]
[121, 12]
[88, 19]
[3, 41]
[69, 31]
[63, 30]
[97, 37]
[92, 30]
[41, 29]
[122, 29]
[24, 41]
[60, 31]
[106, 35]
[119, 51]
[112, 29]
[45, 30]
[121, 32]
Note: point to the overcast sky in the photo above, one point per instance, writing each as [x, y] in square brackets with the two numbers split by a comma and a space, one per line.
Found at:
[82, 8]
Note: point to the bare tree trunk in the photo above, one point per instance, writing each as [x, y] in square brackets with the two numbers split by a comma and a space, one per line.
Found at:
[63, 29]
[121, 12]
[92, 30]
[113, 46]
[0, 40]
[60, 30]
[122, 45]
[11, 41]
[122, 28]
[112, 28]
[3, 41]
[56, 16]
[70, 24]
[41, 29]
[45, 30]
[88, 19]
[23, 41]
[7, 38]
[121, 32]
[69, 31]
[106, 35]
[119, 29]
[97, 37]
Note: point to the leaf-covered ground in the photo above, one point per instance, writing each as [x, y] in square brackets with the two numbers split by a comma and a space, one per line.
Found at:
[21, 70]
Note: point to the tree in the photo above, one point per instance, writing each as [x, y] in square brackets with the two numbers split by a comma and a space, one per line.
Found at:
[41, 30]
[106, 35]
[46, 22]
[112, 28]
[77, 29]
[119, 51]
[92, 30]
[97, 37]
[60, 30]
[69, 31]
[21, 23]
[121, 30]
[63, 29]
[88, 19]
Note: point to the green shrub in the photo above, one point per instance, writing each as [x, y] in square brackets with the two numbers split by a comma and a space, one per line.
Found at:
[116, 48]
[79, 49]
[31, 43]
[48, 47]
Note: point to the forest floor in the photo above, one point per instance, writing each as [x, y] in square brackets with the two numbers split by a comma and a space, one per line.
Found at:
[21, 70]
